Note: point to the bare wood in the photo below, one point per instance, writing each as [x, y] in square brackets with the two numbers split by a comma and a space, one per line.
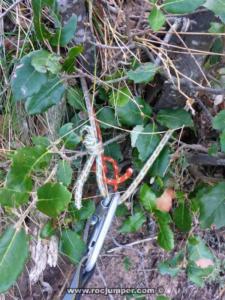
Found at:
[147, 166]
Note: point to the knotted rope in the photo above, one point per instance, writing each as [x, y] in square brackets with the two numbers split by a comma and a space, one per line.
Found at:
[95, 151]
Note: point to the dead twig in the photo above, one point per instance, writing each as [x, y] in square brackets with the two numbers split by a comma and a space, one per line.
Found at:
[121, 247]
[10, 8]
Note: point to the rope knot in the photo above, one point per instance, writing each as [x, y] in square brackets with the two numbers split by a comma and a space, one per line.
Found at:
[93, 146]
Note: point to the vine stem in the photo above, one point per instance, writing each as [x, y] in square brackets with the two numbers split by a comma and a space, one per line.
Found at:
[147, 166]
[26, 212]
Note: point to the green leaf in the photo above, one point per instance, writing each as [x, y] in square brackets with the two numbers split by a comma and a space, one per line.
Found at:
[122, 210]
[217, 47]
[70, 138]
[198, 275]
[12, 198]
[171, 266]
[165, 235]
[147, 198]
[70, 60]
[135, 112]
[146, 143]
[219, 121]
[53, 198]
[44, 61]
[107, 116]
[182, 6]
[182, 217]
[26, 81]
[113, 150]
[64, 172]
[40, 141]
[85, 212]
[218, 7]
[216, 27]
[222, 141]
[156, 19]
[41, 31]
[133, 223]
[47, 230]
[50, 94]
[120, 97]
[212, 208]
[174, 118]
[64, 35]
[161, 164]
[24, 161]
[13, 256]
[72, 246]
[75, 98]
[198, 253]
[144, 73]
[18, 181]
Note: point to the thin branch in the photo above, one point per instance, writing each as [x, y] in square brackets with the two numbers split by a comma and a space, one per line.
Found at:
[10, 8]
[120, 247]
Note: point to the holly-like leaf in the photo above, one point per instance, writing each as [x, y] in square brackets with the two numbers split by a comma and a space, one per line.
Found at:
[218, 7]
[156, 19]
[197, 253]
[182, 217]
[53, 198]
[70, 138]
[75, 98]
[85, 212]
[161, 164]
[133, 223]
[64, 35]
[41, 30]
[70, 60]
[113, 150]
[147, 142]
[120, 97]
[50, 94]
[18, 181]
[107, 118]
[13, 256]
[219, 121]
[133, 112]
[72, 246]
[24, 161]
[147, 198]
[165, 235]
[182, 6]
[26, 81]
[174, 118]
[44, 61]
[144, 73]
[212, 208]
[64, 172]
[171, 266]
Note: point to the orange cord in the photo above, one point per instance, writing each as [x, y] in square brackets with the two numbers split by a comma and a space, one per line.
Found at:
[117, 180]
